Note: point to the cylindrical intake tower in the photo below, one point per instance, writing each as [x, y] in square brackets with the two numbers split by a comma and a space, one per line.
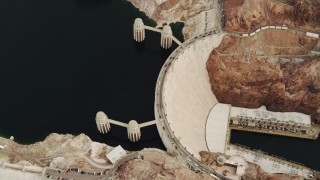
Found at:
[134, 133]
[166, 37]
[138, 30]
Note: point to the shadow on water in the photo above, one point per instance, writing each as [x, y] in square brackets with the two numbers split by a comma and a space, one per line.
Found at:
[139, 47]
[166, 52]
[294, 149]
[177, 30]
[86, 3]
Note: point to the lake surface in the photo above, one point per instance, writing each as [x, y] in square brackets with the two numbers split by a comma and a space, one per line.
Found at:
[303, 151]
[61, 61]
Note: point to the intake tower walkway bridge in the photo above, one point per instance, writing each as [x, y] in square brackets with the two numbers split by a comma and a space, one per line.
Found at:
[134, 133]
[166, 33]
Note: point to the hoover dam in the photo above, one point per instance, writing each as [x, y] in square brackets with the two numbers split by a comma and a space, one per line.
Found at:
[191, 120]
[193, 124]
[185, 89]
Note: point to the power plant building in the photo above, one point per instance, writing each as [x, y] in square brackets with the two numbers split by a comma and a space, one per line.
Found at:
[290, 122]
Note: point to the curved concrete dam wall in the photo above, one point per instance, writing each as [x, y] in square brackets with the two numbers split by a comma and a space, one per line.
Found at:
[186, 95]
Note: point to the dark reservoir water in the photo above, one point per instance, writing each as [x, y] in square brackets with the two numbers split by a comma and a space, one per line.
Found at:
[61, 61]
[303, 151]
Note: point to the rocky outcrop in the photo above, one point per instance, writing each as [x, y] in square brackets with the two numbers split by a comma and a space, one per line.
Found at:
[279, 177]
[143, 169]
[65, 151]
[61, 151]
[155, 164]
[210, 157]
[245, 15]
[198, 16]
[279, 69]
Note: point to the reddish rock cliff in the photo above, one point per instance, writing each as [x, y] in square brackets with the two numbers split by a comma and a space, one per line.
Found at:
[198, 16]
[143, 169]
[243, 15]
[279, 69]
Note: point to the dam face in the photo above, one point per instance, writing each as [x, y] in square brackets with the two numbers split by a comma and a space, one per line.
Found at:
[184, 97]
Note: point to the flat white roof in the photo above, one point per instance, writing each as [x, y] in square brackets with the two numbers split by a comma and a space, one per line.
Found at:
[263, 114]
[116, 153]
[217, 126]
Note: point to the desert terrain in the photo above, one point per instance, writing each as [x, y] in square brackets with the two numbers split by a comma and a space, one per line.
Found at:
[68, 151]
[198, 16]
[276, 68]
[245, 15]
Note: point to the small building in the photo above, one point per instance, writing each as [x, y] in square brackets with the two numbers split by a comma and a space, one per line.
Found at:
[232, 168]
[115, 154]
[240, 163]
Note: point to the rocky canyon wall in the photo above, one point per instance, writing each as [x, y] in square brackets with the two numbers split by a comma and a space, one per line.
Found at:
[244, 15]
[276, 68]
[198, 16]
